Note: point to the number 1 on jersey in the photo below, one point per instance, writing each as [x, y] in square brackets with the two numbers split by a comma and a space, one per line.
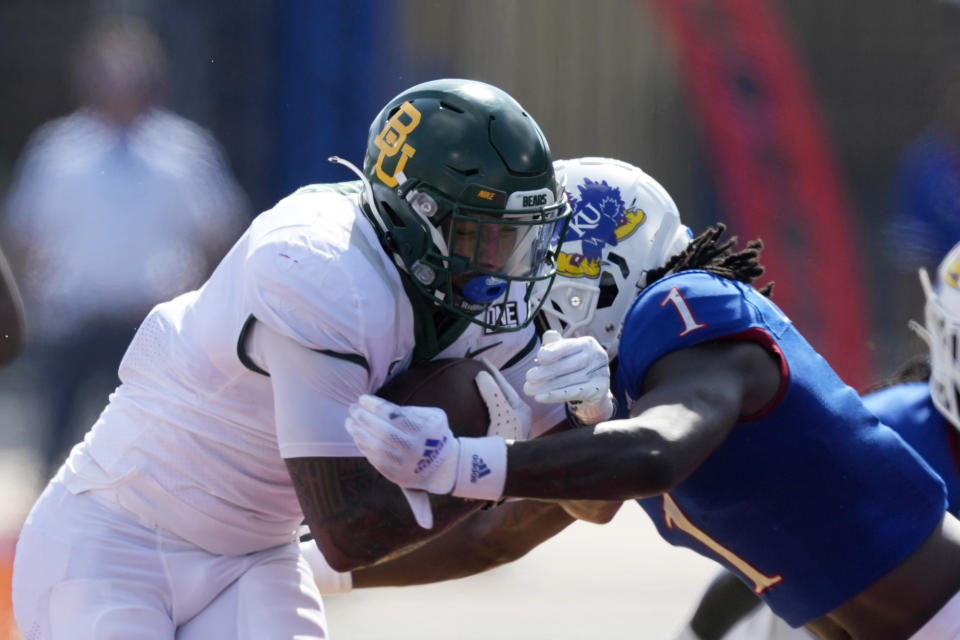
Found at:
[680, 304]
[674, 517]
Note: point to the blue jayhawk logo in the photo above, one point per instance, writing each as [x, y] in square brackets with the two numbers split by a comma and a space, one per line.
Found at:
[600, 217]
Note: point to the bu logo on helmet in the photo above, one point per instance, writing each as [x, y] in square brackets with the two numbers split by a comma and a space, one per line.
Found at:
[600, 218]
[393, 140]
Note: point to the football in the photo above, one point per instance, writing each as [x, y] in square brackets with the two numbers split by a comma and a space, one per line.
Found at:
[447, 384]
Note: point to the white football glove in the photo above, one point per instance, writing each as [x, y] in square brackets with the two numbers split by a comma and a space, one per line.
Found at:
[415, 448]
[510, 415]
[575, 371]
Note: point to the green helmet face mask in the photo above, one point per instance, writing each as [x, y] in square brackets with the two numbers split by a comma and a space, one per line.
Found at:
[461, 188]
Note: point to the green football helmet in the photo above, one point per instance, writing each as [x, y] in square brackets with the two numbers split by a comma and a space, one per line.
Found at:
[460, 185]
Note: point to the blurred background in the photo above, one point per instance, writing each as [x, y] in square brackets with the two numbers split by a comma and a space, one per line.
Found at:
[139, 138]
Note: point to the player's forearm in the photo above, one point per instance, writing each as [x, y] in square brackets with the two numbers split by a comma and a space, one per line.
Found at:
[585, 464]
[672, 430]
[357, 516]
[483, 541]
[593, 511]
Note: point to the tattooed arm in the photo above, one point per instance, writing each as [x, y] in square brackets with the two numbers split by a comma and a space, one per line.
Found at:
[358, 517]
[482, 541]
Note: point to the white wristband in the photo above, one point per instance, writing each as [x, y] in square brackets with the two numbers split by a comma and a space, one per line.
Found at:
[328, 579]
[481, 468]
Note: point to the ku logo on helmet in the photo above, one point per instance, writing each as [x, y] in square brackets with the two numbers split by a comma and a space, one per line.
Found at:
[600, 217]
[393, 140]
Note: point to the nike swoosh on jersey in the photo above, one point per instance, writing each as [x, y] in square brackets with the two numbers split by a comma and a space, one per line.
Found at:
[471, 353]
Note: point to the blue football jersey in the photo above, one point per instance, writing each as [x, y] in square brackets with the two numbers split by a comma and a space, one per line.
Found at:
[908, 409]
[811, 500]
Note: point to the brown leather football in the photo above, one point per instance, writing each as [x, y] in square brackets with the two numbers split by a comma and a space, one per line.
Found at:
[447, 384]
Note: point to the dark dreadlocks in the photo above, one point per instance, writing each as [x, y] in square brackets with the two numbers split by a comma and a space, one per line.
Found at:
[914, 369]
[706, 253]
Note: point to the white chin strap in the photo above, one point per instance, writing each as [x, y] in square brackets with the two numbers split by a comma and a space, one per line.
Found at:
[920, 330]
[367, 190]
[925, 283]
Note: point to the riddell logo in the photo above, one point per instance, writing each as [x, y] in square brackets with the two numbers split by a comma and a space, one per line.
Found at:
[478, 468]
[432, 448]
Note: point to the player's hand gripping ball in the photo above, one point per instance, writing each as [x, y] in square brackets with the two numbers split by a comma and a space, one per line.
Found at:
[419, 413]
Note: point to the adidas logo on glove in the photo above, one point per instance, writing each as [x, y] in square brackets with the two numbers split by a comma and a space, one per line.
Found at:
[432, 448]
[478, 468]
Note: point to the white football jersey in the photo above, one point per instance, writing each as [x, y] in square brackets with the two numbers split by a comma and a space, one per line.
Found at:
[189, 441]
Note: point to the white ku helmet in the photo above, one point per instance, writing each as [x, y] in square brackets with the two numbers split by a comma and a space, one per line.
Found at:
[623, 224]
[943, 333]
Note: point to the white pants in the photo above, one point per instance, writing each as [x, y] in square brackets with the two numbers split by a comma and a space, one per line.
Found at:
[85, 568]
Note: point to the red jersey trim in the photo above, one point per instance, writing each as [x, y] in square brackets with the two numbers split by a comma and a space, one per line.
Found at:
[766, 341]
